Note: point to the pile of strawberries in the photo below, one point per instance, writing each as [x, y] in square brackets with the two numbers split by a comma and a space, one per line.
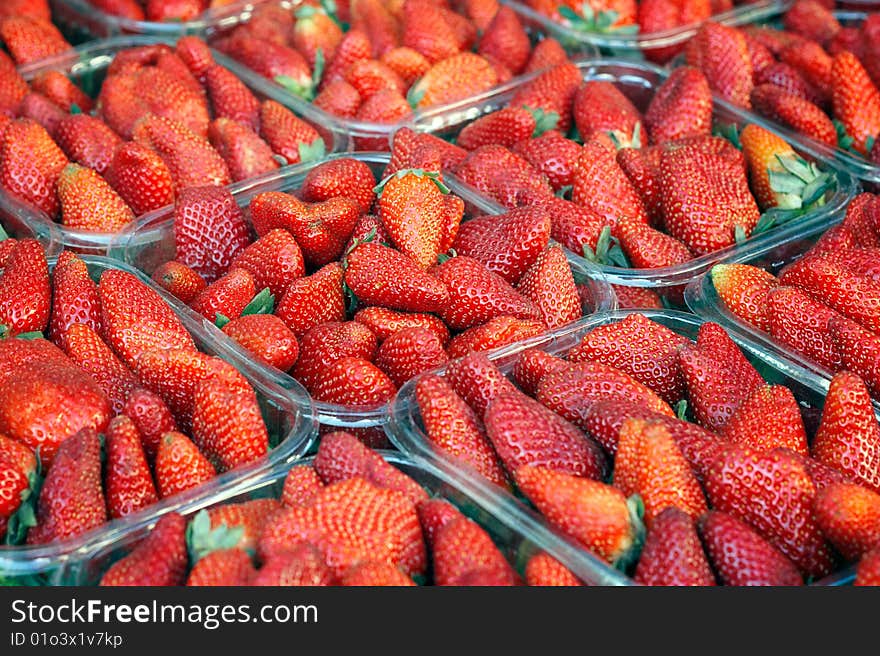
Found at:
[816, 77]
[393, 58]
[742, 495]
[159, 10]
[646, 187]
[350, 518]
[165, 119]
[119, 362]
[27, 32]
[825, 306]
[346, 285]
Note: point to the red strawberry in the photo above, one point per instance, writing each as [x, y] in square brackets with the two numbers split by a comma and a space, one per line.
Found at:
[13, 87]
[673, 554]
[340, 178]
[504, 127]
[547, 53]
[315, 31]
[802, 324]
[141, 177]
[354, 46]
[369, 76]
[313, 300]
[71, 499]
[553, 91]
[383, 323]
[300, 566]
[722, 54]
[58, 88]
[229, 96]
[478, 381]
[224, 567]
[531, 366]
[37, 107]
[551, 154]
[856, 100]
[179, 280]
[353, 383]
[288, 135]
[497, 332]
[409, 352]
[129, 482]
[151, 418]
[30, 163]
[196, 54]
[681, 107]
[245, 153]
[173, 375]
[812, 20]
[859, 350]
[87, 140]
[28, 39]
[849, 435]
[342, 456]
[849, 516]
[25, 294]
[179, 465]
[813, 64]
[278, 62]
[767, 419]
[231, 525]
[594, 514]
[550, 284]
[573, 226]
[386, 106]
[505, 176]
[774, 493]
[868, 570]
[636, 298]
[454, 78]
[425, 30]
[328, 342]
[228, 296]
[745, 290]
[160, 559]
[301, 486]
[544, 570]
[406, 143]
[506, 39]
[741, 556]
[266, 338]
[339, 98]
[462, 547]
[379, 23]
[599, 106]
[89, 203]
[794, 112]
[407, 63]
[375, 573]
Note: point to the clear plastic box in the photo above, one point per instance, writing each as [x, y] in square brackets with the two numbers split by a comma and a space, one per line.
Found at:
[287, 412]
[406, 432]
[150, 243]
[638, 80]
[86, 66]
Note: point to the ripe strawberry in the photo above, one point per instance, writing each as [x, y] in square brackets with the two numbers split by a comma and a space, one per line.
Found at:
[787, 77]
[328, 342]
[25, 293]
[378, 275]
[858, 221]
[600, 107]
[374, 573]
[859, 350]
[87, 140]
[13, 87]
[549, 283]
[553, 90]
[460, 76]
[856, 100]
[173, 10]
[745, 290]
[226, 297]
[406, 144]
[849, 516]
[794, 112]
[179, 280]
[135, 319]
[551, 154]
[868, 570]
[802, 324]
[160, 559]
[180, 466]
[89, 203]
[342, 456]
[504, 127]
[224, 567]
[314, 32]
[497, 332]
[812, 20]
[351, 521]
[774, 494]
[129, 482]
[313, 300]
[91, 354]
[741, 556]
[300, 565]
[478, 381]
[354, 46]
[531, 366]
[462, 547]
[767, 419]
[813, 64]
[544, 570]
[245, 153]
[523, 432]
[339, 98]
[383, 323]
[340, 178]
[301, 486]
[141, 177]
[672, 554]
[28, 39]
[407, 63]
[71, 499]
[386, 106]
[681, 107]
[722, 54]
[288, 135]
[379, 23]
[353, 383]
[647, 248]
[266, 338]
[30, 163]
[58, 88]
[505, 39]
[231, 525]
[196, 54]
[548, 52]
[644, 349]
[505, 176]
[39, 9]
[151, 418]
[409, 352]
[369, 76]
[425, 30]
[277, 62]
[594, 514]
[37, 107]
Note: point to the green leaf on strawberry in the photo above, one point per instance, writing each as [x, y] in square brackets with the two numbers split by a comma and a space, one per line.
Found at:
[729, 132]
[262, 303]
[434, 176]
[25, 516]
[608, 251]
[201, 539]
[304, 91]
[313, 151]
[544, 120]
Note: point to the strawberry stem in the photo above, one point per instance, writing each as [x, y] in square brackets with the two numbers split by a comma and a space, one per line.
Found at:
[313, 151]
[433, 176]
[201, 539]
[220, 320]
[262, 303]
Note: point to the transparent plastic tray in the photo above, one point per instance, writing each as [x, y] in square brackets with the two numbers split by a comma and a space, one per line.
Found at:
[86, 66]
[633, 45]
[16, 221]
[286, 410]
[638, 80]
[515, 542]
[82, 21]
[150, 243]
[406, 432]
[701, 298]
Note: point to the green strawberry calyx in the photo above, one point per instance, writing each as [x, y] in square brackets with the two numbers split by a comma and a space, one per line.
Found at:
[201, 539]
[544, 120]
[262, 303]
[415, 94]
[603, 22]
[313, 151]
[630, 555]
[25, 517]
[608, 251]
[622, 140]
[433, 176]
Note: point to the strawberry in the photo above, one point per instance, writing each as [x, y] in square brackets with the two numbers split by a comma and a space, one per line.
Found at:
[659, 16]
[636, 298]
[13, 87]
[672, 554]
[173, 10]
[301, 486]
[407, 63]
[706, 203]
[793, 112]
[722, 54]
[196, 54]
[718, 376]
[544, 570]
[266, 338]
[858, 221]
[141, 177]
[504, 127]
[462, 547]
[836, 238]
[315, 32]
[859, 350]
[37, 107]
[328, 342]
[786, 77]
[160, 559]
[812, 20]
[351, 521]
[744, 290]
[767, 419]
[549, 283]
[129, 482]
[849, 516]
[813, 64]
[774, 494]
[245, 153]
[856, 100]
[425, 30]
[594, 514]
[531, 366]
[28, 39]
[230, 525]
[224, 567]
[497, 332]
[30, 163]
[179, 465]
[506, 40]
[301, 565]
[227, 297]
[384, 323]
[135, 319]
[477, 295]
[71, 499]
[551, 154]
[344, 177]
[58, 88]
[548, 52]
[227, 426]
[378, 275]
[209, 230]
[353, 383]
[339, 98]
[523, 432]
[409, 352]
[553, 90]
[87, 140]
[741, 556]
[387, 107]
[379, 23]
[478, 381]
[504, 176]
[89, 203]
[434, 514]
[179, 280]
[599, 106]
[375, 573]
[277, 62]
[39, 9]
[802, 324]
[465, 31]
[88, 351]
[369, 76]
[868, 570]
[647, 248]
[681, 107]
[342, 456]
[644, 349]
[288, 135]
[151, 418]
[190, 158]
[354, 46]
[313, 300]
[460, 76]
[25, 293]
[406, 143]
[848, 437]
